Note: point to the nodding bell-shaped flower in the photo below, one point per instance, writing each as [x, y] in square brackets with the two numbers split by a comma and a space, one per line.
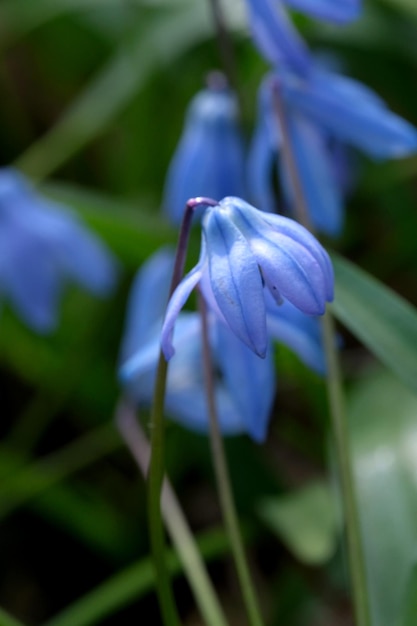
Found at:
[244, 384]
[211, 129]
[42, 247]
[325, 114]
[349, 111]
[244, 253]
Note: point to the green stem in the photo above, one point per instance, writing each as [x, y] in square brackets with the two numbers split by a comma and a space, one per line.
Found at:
[175, 521]
[155, 478]
[341, 439]
[156, 464]
[223, 482]
[336, 400]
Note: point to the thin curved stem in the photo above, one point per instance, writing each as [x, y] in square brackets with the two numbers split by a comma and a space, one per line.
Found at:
[356, 555]
[223, 482]
[156, 464]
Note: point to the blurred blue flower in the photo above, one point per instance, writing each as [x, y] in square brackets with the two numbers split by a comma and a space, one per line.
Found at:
[245, 384]
[348, 111]
[324, 112]
[209, 159]
[242, 251]
[277, 39]
[42, 246]
[275, 36]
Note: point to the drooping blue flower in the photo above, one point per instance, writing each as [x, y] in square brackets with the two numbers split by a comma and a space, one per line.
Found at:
[348, 111]
[42, 247]
[244, 385]
[209, 159]
[324, 112]
[244, 250]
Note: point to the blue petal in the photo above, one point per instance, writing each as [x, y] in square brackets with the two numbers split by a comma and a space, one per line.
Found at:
[235, 280]
[292, 261]
[81, 255]
[300, 332]
[319, 184]
[177, 301]
[298, 233]
[209, 160]
[147, 301]
[275, 37]
[30, 279]
[250, 380]
[337, 11]
[350, 112]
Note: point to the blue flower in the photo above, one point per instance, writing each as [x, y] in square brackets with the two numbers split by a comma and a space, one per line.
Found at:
[348, 111]
[42, 246]
[275, 36]
[244, 250]
[324, 112]
[211, 129]
[245, 384]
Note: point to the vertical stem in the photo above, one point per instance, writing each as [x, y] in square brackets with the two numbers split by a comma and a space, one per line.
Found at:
[156, 464]
[175, 521]
[336, 401]
[223, 482]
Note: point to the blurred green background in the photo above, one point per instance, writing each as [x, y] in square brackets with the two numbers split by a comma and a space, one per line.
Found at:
[93, 94]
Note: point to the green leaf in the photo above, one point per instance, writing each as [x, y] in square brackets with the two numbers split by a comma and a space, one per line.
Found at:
[130, 584]
[382, 320]
[8, 620]
[383, 426]
[409, 607]
[42, 474]
[167, 38]
[306, 521]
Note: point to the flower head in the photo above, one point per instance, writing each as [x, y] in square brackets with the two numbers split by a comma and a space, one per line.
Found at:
[244, 385]
[325, 114]
[245, 251]
[42, 246]
[211, 129]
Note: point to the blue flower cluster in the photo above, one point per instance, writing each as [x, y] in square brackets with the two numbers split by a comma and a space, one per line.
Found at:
[323, 110]
[263, 276]
[42, 247]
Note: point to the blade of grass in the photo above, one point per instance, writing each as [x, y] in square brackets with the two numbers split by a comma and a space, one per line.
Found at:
[120, 79]
[130, 584]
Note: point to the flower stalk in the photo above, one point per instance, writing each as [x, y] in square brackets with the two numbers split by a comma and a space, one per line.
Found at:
[156, 464]
[336, 403]
[223, 481]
